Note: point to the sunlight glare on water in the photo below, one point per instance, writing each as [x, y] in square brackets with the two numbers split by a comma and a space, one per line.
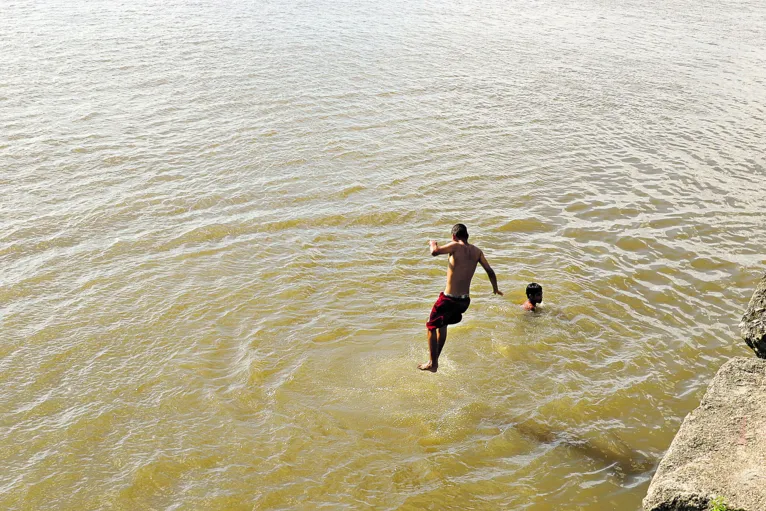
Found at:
[213, 235]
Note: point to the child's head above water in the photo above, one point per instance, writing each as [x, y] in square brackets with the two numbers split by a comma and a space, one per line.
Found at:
[534, 296]
[535, 292]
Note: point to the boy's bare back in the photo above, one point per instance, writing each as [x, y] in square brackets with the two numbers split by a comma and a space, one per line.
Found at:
[463, 259]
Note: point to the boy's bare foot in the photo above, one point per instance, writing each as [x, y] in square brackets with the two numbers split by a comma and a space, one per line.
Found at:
[428, 367]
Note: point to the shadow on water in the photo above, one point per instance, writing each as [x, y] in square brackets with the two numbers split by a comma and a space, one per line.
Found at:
[609, 449]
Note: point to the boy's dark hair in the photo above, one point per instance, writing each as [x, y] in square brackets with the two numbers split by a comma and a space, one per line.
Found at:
[533, 289]
[460, 231]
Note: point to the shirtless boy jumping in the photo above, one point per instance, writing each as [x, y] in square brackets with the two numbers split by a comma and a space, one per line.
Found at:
[454, 301]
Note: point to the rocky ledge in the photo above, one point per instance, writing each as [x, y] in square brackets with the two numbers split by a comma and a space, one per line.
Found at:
[720, 450]
[753, 324]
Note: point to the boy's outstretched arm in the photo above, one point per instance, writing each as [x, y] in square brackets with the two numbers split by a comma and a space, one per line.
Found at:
[490, 274]
[437, 250]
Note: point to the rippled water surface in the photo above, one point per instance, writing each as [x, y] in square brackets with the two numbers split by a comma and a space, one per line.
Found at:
[213, 233]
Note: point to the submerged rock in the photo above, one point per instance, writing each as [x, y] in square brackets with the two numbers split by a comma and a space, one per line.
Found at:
[753, 324]
[720, 449]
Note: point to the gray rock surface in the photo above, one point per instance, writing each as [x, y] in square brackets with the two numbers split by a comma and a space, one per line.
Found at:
[720, 449]
[753, 324]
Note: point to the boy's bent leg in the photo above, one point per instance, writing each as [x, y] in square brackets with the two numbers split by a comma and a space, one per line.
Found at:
[441, 338]
[433, 351]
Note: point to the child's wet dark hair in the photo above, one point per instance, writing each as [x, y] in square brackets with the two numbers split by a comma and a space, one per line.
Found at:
[533, 289]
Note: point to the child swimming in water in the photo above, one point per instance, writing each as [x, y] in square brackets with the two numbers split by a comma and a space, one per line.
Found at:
[534, 296]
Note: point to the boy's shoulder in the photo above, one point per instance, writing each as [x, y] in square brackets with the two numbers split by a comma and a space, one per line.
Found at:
[474, 248]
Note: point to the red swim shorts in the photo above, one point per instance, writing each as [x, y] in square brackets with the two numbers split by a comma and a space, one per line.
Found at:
[447, 310]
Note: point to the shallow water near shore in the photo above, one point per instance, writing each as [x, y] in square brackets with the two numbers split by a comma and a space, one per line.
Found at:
[213, 235]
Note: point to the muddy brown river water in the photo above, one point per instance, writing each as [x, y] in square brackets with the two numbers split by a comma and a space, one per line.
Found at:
[214, 219]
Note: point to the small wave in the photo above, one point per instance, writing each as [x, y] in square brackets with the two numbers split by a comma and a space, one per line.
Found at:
[366, 219]
[526, 225]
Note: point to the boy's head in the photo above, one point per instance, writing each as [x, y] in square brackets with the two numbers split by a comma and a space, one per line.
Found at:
[535, 293]
[459, 232]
